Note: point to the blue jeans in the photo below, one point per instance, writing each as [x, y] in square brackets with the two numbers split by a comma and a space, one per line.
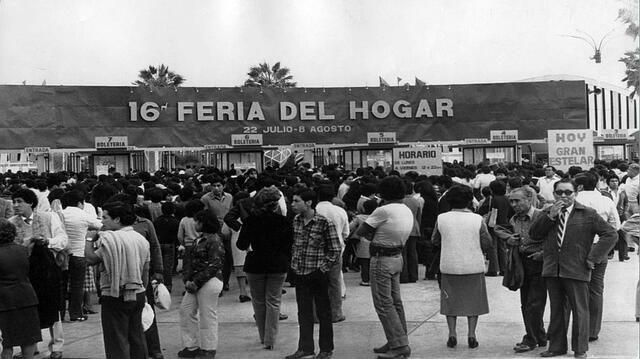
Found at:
[385, 291]
[266, 291]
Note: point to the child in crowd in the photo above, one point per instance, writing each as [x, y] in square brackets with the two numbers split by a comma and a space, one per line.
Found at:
[362, 247]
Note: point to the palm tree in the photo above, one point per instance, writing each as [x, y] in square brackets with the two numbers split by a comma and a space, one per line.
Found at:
[159, 77]
[265, 76]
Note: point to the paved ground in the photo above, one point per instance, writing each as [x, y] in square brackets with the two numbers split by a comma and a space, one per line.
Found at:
[497, 332]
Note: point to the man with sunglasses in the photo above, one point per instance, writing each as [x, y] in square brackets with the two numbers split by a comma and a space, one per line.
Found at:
[569, 255]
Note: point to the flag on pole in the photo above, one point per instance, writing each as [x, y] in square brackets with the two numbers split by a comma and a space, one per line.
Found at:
[383, 83]
[44, 83]
[420, 82]
[399, 79]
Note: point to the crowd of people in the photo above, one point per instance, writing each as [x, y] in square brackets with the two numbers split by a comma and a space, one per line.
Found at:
[549, 233]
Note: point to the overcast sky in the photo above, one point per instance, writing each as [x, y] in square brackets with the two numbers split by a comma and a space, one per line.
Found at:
[324, 43]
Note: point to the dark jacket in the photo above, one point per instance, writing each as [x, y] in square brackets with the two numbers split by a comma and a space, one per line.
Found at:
[570, 260]
[271, 237]
[15, 288]
[240, 211]
[205, 260]
[501, 203]
[145, 227]
[167, 229]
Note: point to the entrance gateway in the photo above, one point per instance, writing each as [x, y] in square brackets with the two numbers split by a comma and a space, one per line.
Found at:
[339, 121]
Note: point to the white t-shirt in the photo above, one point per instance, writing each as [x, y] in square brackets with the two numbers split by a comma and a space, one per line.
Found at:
[77, 222]
[393, 223]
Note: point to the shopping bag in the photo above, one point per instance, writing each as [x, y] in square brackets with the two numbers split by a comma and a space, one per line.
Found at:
[162, 296]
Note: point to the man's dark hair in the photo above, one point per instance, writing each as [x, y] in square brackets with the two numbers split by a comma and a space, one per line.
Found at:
[121, 210]
[156, 195]
[566, 180]
[168, 208]
[216, 179]
[71, 199]
[307, 194]
[391, 188]
[27, 195]
[209, 221]
[588, 180]
[192, 207]
[612, 177]
[368, 189]
[515, 182]
[325, 192]
[485, 169]
[500, 170]
[369, 206]
[459, 196]
[8, 231]
[498, 188]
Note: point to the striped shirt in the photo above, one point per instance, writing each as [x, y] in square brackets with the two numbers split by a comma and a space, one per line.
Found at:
[316, 245]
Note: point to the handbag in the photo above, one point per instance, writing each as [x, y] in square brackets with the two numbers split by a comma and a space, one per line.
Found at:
[147, 316]
[514, 272]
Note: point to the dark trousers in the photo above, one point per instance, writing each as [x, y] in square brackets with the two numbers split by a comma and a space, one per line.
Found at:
[364, 268]
[73, 285]
[533, 299]
[122, 328]
[575, 293]
[228, 263]
[312, 288]
[623, 247]
[410, 260]
[596, 291]
[497, 254]
[168, 254]
[151, 335]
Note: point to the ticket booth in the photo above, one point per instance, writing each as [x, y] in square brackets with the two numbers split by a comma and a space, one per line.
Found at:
[614, 145]
[501, 146]
[224, 157]
[367, 156]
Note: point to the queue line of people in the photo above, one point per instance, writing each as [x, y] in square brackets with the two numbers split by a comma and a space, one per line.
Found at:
[312, 253]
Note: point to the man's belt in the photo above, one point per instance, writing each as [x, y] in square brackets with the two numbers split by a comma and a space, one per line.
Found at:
[379, 251]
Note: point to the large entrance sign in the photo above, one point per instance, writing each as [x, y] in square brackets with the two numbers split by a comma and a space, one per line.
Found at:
[571, 148]
[72, 117]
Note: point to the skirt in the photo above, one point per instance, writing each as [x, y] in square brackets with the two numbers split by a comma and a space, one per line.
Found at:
[20, 327]
[463, 295]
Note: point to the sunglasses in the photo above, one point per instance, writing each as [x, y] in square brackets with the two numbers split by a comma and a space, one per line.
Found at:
[566, 192]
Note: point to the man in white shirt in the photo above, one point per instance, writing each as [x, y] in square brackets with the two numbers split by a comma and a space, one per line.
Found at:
[631, 187]
[340, 220]
[483, 178]
[546, 184]
[76, 222]
[590, 197]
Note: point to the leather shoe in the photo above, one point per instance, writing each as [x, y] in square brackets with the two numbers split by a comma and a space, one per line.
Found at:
[593, 339]
[283, 316]
[452, 342]
[383, 349]
[56, 355]
[580, 355]
[396, 353]
[339, 319]
[549, 354]
[473, 342]
[523, 348]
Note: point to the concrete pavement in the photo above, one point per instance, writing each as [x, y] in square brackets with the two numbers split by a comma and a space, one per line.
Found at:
[354, 338]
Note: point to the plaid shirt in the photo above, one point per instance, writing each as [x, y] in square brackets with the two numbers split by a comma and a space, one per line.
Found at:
[316, 245]
[521, 225]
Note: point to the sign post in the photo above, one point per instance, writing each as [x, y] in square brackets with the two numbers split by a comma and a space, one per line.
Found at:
[571, 148]
[424, 160]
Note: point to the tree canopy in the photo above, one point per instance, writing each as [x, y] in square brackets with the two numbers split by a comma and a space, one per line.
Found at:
[159, 77]
[264, 75]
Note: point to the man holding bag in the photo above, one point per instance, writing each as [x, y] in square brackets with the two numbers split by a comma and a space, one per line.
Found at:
[533, 293]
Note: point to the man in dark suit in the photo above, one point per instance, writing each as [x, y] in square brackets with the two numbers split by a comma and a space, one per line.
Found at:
[569, 256]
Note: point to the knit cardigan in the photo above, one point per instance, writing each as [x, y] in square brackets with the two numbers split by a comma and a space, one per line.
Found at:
[460, 235]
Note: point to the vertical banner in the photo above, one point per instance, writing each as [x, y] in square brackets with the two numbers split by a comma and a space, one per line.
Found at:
[424, 160]
[571, 148]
